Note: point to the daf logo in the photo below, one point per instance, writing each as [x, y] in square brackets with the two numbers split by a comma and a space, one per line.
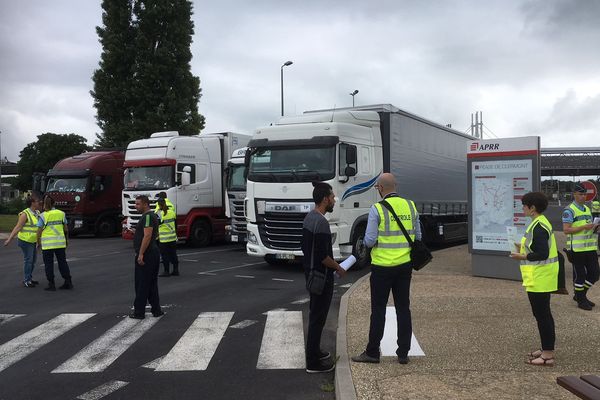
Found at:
[284, 208]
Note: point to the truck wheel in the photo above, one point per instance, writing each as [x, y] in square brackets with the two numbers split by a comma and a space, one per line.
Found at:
[359, 250]
[106, 227]
[201, 234]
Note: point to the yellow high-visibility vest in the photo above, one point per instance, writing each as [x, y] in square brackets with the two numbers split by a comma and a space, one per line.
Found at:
[540, 276]
[53, 234]
[167, 230]
[392, 248]
[584, 240]
[29, 231]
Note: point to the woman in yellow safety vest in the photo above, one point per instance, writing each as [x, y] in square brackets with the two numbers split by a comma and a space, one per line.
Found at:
[539, 268]
[167, 237]
[26, 232]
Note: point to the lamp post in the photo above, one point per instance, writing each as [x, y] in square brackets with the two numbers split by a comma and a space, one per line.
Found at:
[0, 166]
[285, 64]
[354, 93]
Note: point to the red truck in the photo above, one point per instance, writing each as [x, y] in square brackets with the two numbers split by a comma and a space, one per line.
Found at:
[87, 187]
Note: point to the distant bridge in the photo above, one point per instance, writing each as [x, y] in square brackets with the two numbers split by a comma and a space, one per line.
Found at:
[570, 161]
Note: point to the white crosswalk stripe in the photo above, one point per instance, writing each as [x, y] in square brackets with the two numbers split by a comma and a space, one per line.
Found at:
[21, 346]
[102, 352]
[283, 341]
[198, 344]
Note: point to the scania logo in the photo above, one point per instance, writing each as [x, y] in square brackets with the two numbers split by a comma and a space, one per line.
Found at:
[484, 146]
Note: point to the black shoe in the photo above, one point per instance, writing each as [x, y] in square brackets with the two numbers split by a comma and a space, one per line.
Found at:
[403, 359]
[35, 282]
[136, 316]
[365, 358]
[28, 284]
[164, 274]
[158, 313]
[584, 305]
[324, 355]
[67, 285]
[51, 287]
[175, 273]
[320, 368]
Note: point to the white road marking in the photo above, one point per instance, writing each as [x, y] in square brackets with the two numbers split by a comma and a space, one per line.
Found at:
[207, 273]
[198, 344]
[244, 276]
[102, 352]
[275, 309]
[282, 344]
[235, 267]
[347, 285]
[301, 301]
[21, 346]
[282, 280]
[244, 324]
[72, 259]
[204, 252]
[103, 390]
[390, 336]
[4, 318]
[185, 259]
[154, 363]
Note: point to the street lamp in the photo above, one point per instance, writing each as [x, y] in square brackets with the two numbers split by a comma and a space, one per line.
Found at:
[285, 64]
[353, 94]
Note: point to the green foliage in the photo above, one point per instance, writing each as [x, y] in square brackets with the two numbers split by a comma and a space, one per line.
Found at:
[41, 155]
[12, 207]
[144, 83]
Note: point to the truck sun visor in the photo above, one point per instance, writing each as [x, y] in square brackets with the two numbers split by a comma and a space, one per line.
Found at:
[324, 141]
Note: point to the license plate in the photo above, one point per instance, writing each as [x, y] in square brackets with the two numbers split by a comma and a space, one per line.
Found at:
[284, 256]
[234, 238]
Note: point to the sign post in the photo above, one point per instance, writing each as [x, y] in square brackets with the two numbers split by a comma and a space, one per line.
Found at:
[500, 172]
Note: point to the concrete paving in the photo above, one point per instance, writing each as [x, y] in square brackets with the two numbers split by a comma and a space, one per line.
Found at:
[475, 333]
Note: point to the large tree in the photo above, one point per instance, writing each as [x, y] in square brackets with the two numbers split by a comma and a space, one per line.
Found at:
[158, 91]
[41, 155]
[113, 80]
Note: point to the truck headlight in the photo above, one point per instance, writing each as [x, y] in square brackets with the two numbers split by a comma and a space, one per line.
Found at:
[260, 207]
[252, 238]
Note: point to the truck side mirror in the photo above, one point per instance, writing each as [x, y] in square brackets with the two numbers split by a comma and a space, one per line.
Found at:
[349, 171]
[98, 184]
[351, 156]
[185, 176]
[247, 157]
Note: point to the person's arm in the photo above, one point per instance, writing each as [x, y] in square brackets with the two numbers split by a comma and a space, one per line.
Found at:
[66, 232]
[539, 248]
[40, 225]
[417, 225]
[568, 218]
[370, 238]
[20, 224]
[148, 228]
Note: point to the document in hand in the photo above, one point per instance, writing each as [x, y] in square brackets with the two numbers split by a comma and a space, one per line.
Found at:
[596, 220]
[512, 238]
[348, 262]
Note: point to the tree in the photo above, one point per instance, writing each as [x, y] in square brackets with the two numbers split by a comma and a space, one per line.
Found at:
[40, 156]
[144, 83]
[113, 80]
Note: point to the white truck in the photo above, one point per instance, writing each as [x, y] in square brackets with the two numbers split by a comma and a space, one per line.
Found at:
[235, 190]
[349, 149]
[190, 170]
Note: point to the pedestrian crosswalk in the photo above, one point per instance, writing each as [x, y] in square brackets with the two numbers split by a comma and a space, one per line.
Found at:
[282, 344]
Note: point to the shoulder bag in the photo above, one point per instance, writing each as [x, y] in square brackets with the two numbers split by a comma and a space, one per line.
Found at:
[420, 255]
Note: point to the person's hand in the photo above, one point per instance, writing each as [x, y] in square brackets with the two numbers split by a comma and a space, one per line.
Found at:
[589, 226]
[6, 242]
[518, 246]
[341, 271]
[518, 256]
[141, 259]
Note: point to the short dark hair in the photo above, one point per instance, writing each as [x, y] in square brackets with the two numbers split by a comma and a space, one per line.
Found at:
[34, 197]
[537, 199]
[320, 191]
[162, 195]
[144, 199]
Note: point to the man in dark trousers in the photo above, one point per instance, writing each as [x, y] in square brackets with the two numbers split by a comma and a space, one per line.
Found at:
[317, 247]
[391, 268]
[147, 261]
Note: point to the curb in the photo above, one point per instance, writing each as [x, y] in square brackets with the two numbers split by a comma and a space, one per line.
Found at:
[344, 385]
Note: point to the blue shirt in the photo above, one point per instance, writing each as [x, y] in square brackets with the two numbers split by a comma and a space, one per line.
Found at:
[373, 222]
[568, 217]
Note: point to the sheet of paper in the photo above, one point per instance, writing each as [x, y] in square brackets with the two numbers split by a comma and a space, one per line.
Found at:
[348, 262]
[596, 220]
[512, 236]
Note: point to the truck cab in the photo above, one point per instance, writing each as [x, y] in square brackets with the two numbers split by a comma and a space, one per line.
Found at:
[235, 192]
[87, 187]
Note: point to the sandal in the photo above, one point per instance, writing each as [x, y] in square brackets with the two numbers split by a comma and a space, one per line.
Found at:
[534, 354]
[547, 362]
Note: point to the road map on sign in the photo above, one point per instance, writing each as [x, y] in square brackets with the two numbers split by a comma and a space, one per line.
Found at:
[498, 187]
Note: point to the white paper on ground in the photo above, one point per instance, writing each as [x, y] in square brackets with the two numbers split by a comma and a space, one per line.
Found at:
[390, 336]
[512, 237]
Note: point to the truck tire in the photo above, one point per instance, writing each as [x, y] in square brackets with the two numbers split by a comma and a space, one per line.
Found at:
[105, 227]
[201, 234]
[359, 250]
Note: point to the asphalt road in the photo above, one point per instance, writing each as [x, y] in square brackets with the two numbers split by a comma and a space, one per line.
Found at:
[80, 343]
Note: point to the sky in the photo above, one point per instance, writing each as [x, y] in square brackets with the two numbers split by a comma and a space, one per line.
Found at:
[531, 66]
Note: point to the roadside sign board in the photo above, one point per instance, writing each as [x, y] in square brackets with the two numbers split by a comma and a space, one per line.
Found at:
[592, 191]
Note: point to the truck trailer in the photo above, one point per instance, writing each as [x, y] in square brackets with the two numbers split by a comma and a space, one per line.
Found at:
[349, 149]
[87, 187]
[235, 189]
[190, 170]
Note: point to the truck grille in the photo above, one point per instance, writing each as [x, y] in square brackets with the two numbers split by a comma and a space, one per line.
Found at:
[133, 214]
[238, 219]
[282, 231]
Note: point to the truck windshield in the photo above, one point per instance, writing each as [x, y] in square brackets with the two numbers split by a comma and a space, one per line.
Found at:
[145, 178]
[57, 184]
[292, 164]
[236, 180]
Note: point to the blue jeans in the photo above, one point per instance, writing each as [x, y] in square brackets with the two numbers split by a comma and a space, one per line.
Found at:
[29, 257]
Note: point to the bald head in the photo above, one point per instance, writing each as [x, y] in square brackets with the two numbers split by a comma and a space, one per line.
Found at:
[386, 183]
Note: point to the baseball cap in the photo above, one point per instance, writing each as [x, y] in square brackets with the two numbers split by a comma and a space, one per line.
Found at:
[579, 188]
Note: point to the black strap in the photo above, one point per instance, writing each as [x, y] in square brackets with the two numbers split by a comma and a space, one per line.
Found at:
[390, 209]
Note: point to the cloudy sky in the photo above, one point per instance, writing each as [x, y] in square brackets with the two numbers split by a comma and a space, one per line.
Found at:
[531, 66]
